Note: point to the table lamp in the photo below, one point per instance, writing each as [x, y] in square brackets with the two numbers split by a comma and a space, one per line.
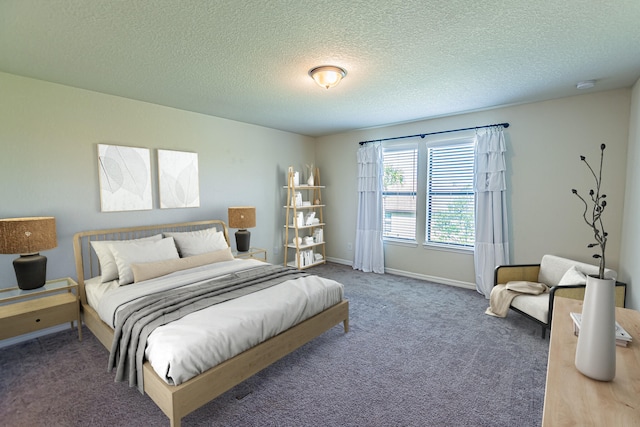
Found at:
[27, 237]
[242, 217]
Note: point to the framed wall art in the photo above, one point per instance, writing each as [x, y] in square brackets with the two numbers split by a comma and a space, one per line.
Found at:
[178, 179]
[125, 178]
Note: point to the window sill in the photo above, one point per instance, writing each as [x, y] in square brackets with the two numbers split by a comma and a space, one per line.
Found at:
[400, 242]
[447, 248]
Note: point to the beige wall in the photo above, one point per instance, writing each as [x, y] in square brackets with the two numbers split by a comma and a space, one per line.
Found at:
[630, 252]
[49, 132]
[48, 163]
[544, 142]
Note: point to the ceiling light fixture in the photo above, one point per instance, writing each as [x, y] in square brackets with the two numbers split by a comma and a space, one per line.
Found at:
[585, 84]
[327, 75]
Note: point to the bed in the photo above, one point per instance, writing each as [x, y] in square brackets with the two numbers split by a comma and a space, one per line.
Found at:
[178, 400]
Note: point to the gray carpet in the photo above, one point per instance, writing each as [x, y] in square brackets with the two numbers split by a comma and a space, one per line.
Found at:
[418, 354]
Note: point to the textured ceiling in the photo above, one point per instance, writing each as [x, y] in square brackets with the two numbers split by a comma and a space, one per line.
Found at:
[248, 60]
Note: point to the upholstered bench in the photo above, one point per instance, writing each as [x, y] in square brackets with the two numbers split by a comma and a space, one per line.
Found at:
[565, 277]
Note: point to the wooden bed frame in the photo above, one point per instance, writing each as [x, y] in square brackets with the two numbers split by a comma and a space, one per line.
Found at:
[178, 401]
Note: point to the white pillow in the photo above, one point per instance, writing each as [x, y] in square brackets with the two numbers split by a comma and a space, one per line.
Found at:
[108, 267]
[191, 243]
[573, 276]
[134, 253]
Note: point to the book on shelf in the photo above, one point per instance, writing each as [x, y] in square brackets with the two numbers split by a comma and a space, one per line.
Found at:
[622, 336]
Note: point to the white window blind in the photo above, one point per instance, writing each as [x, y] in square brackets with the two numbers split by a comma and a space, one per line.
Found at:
[450, 198]
[399, 192]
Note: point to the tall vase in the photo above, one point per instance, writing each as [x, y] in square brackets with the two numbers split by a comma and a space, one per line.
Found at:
[596, 350]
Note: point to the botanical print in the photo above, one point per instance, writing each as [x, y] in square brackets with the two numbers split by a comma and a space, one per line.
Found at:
[125, 178]
[178, 179]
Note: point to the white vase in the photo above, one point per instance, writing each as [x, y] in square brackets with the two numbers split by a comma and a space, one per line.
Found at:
[310, 181]
[596, 349]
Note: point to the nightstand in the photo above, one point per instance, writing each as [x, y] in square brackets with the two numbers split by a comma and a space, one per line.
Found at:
[23, 311]
[255, 253]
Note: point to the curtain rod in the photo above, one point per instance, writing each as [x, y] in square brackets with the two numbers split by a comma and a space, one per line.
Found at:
[422, 135]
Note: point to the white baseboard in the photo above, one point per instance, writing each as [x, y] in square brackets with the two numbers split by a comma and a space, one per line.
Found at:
[340, 261]
[441, 280]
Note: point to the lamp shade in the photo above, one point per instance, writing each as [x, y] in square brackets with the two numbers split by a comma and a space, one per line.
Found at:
[27, 235]
[242, 217]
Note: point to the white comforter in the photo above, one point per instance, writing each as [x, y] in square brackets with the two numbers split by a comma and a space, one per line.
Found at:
[199, 341]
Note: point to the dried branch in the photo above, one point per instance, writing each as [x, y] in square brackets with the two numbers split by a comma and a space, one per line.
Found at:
[593, 210]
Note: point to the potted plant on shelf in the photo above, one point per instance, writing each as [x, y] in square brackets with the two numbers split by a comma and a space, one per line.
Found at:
[596, 349]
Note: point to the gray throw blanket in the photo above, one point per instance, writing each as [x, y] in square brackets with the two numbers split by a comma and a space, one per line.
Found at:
[137, 320]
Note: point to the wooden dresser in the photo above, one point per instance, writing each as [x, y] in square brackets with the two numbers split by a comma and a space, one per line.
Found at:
[572, 399]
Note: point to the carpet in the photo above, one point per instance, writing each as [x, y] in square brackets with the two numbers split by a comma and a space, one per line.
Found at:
[417, 354]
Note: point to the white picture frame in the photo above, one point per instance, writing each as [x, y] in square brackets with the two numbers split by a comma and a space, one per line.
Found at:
[124, 174]
[178, 180]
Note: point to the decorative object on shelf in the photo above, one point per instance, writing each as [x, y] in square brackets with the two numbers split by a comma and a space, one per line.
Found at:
[310, 178]
[596, 349]
[309, 218]
[27, 237]
[294, 177]
[242, 217]
[307, 257]
[327, 76]
[297, 241]
[308, 240]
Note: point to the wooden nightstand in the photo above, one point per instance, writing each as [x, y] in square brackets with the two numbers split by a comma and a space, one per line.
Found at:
[28, 311]
[255, 253]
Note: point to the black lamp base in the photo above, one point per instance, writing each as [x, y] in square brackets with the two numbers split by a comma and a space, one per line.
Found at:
[31, 271]
[242, 240]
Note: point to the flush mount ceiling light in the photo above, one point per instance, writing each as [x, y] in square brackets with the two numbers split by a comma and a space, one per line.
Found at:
[585, 84]
[327, 75]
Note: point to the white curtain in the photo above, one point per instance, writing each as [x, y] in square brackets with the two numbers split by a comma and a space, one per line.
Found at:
[492, 240]
[369, 251]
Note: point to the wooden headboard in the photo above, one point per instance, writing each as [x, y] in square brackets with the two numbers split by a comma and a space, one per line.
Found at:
[87, 264]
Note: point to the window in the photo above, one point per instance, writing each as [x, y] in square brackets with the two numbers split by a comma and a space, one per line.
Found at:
[399, 192]
[450, 199]
[430, 183]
